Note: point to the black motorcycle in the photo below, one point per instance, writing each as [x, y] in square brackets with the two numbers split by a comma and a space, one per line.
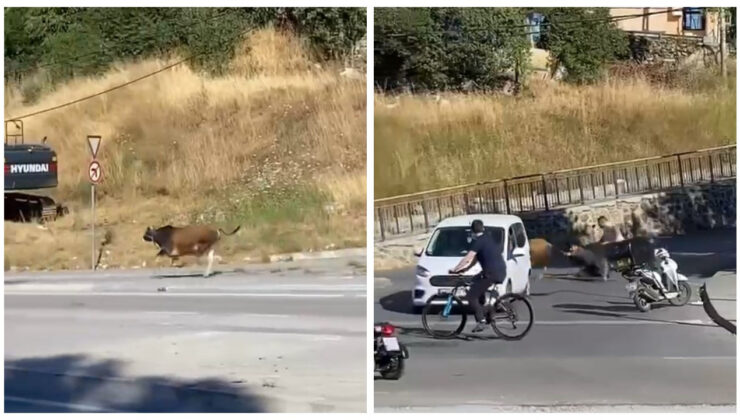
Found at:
[389, 352]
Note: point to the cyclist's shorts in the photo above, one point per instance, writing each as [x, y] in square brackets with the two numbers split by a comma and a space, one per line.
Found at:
[495, 278]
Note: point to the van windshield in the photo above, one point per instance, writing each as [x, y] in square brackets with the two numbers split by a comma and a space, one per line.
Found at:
[455, 241]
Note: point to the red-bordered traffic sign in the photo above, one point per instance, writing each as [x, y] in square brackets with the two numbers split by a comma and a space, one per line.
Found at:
[95, 172]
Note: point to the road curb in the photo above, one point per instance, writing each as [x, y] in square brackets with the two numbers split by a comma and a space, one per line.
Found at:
[18, 277]
[321, 255]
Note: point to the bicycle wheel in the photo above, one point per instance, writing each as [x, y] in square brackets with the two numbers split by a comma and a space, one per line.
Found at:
[512, 316]
[439, 324]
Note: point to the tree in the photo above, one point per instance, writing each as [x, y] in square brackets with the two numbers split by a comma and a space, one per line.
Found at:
[334, 32]
[86, 41]
[448, 48]
[582, 40]
[408, 49]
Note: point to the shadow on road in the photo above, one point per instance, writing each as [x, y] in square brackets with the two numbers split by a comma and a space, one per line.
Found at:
[613, 307]
[419, 332]
[78, 383]
[571, 277]
[619, 311]
[398, 302]
[577, 292]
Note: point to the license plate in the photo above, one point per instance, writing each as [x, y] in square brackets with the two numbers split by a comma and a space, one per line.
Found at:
[391, 344]
[631, 287]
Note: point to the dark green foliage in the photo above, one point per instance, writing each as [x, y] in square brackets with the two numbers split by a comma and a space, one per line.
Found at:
[583, 48]
[448, 48]
[334, 32]
[67, 42]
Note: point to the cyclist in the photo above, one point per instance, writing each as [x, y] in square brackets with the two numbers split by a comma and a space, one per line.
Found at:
[486, 251]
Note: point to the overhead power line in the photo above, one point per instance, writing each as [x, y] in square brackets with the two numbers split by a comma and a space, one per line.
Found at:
[130, 82]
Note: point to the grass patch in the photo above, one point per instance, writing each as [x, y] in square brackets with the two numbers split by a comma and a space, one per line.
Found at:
[278, 144]
[422, 144]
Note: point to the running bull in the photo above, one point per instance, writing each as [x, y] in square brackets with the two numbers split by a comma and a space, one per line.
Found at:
[196, 240]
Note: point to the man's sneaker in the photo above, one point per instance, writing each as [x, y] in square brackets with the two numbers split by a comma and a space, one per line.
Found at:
[480, 327]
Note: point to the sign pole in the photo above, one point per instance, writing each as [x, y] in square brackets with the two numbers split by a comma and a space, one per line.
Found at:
[95, 173]
[92, 202]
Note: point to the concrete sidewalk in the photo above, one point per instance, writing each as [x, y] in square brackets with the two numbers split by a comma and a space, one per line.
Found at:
[320, 276]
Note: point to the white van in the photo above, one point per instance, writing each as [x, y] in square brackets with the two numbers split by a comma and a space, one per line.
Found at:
[451, 241]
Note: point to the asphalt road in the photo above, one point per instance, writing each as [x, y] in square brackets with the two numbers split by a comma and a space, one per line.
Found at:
[281, 337]
[589, 350]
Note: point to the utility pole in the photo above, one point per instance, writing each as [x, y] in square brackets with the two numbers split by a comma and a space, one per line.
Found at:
[722, 51]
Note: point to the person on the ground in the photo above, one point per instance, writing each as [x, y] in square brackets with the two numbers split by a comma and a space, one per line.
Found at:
[486, 251]
[593, 263]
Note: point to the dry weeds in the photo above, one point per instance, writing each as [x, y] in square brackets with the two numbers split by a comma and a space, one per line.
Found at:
[280, 134]
[422, 143]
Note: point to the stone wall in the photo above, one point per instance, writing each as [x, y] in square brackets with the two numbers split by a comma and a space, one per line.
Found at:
[675, 211]
[653, 48]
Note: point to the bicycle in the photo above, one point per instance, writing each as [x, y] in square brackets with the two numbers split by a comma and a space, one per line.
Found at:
[501, 313]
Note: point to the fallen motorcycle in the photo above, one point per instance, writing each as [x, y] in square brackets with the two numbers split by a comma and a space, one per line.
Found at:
[648, 285]
[389, 352]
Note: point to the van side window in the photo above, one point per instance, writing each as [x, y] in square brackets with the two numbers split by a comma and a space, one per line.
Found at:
[511, 242]
[521, 235]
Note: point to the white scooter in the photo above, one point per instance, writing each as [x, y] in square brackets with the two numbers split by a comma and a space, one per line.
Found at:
[648, 286]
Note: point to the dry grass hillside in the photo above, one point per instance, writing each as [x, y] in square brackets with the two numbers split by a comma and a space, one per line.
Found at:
[277, 146]
[424, 143]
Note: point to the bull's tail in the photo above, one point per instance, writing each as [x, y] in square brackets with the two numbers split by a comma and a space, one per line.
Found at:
[232, 232]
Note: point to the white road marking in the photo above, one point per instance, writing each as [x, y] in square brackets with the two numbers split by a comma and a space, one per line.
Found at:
[98, 314]
[667, 322]
[276, 287]
[170, 294]
[700, 358]
[173, 313]
[56, 404]
[625, 322]
[324, 337]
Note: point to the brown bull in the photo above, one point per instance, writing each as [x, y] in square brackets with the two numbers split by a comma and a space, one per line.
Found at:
[188, 240]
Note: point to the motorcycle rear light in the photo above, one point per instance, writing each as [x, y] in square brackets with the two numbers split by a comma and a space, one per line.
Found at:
[387, 330]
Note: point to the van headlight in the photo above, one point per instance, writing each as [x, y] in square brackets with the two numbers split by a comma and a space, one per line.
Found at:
[421, 271]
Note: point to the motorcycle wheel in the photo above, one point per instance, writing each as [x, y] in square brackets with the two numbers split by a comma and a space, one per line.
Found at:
[684, 294]
[641, 302]
[395, 371]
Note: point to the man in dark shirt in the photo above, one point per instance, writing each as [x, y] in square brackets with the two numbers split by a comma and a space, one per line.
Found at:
[486, 251]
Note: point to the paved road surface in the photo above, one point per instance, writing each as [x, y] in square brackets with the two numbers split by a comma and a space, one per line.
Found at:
[590, 349]
[281, 337]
